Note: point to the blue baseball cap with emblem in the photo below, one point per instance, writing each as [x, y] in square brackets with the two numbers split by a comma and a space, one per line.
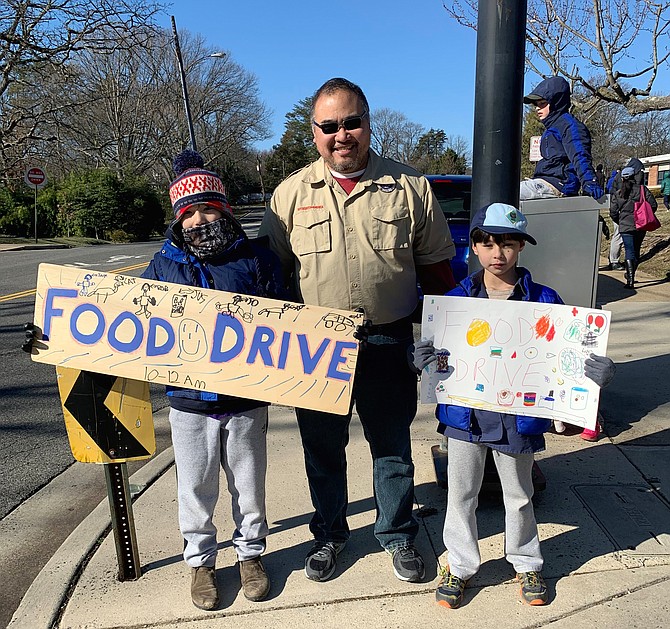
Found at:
[501, 218]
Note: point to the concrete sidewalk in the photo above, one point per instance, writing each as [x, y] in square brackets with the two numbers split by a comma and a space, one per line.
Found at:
[604, 520]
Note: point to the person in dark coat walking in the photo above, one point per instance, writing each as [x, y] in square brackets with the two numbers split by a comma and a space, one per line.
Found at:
[622, 207]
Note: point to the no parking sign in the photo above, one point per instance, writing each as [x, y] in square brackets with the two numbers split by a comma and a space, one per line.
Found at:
[535, 155]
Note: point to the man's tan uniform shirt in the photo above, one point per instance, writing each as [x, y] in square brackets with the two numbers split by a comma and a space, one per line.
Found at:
[358, 250]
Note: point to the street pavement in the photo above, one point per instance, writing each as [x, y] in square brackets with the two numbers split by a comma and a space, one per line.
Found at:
[604, 521]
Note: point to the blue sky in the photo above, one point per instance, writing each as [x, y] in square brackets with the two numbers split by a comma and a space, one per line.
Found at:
[418, 61]
[407, 55]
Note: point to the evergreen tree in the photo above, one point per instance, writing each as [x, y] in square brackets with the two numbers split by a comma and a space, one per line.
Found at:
[433, 156]
[296, 148]
[532, 126]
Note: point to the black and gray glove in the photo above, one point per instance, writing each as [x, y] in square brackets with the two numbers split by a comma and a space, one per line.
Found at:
[362, 332]
[420, 355]
[30, 337]
[600, 369]
[605, 228]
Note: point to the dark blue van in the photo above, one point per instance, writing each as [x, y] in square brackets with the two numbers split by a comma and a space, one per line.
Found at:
[453, 194]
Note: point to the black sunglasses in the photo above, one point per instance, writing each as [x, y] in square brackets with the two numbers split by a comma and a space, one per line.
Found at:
[350, 124]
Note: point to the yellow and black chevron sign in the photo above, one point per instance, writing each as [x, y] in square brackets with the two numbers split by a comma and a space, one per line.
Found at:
[108, 419]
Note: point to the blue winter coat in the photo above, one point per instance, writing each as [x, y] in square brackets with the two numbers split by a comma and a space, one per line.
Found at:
[501, 431]
[612, 185]
[246, 268]
[565, 145]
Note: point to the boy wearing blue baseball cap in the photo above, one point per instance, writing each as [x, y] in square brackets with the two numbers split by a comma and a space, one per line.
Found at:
[498, 234]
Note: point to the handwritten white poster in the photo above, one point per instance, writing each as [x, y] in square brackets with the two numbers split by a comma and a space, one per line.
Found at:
[522, 358]
[198, 338]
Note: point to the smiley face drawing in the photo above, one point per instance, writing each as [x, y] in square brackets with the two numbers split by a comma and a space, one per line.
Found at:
[192, 340]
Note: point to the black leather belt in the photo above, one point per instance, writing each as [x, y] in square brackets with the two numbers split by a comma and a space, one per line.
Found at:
[399, 328]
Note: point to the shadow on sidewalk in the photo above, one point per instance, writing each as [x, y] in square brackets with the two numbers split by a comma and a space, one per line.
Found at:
[639, 388]
[578, 538]
[281, 563]
[612, 288]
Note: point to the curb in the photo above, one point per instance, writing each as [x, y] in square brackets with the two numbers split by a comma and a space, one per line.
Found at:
[27, 247]
[44, 601]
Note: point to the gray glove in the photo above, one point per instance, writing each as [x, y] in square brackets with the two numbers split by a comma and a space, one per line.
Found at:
[421, 354]
[600, 369]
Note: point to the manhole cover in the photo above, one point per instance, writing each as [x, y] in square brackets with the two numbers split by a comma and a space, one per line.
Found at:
[633, 517]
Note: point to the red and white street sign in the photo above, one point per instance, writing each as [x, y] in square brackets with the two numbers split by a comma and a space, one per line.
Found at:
[535, 155]
[35, 177]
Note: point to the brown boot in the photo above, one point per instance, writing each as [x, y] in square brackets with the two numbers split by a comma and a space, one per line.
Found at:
[204, 592]
[255, 582]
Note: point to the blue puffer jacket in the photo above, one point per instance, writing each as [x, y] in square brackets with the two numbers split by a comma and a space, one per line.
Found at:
[469, 424]
[565, 145]
[246, 268]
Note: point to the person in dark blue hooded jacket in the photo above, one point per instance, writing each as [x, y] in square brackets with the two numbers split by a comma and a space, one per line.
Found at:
[206, 247]
[565, 147]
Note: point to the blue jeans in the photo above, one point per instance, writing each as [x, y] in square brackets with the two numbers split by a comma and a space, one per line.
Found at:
[632, 244]
[385, 397]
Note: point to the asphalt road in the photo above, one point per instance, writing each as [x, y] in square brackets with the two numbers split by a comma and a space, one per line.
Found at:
[45, 493]
[34, 447]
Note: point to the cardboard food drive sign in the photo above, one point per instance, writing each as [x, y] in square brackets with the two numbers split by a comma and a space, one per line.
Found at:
[521, 358]
[214, 341]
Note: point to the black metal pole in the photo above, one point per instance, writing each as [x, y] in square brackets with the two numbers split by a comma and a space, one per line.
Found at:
[496, 153]
[184, 91]
[35, 186]
[123, 523]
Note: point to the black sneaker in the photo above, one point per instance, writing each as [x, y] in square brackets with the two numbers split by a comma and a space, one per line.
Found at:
[450, 590]
[533, 588]
[321, 560]
[407, 564]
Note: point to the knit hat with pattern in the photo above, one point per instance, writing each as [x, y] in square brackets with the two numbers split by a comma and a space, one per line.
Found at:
[194, 184]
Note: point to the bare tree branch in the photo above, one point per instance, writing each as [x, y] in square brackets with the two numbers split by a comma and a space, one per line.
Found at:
[613, 49]
[40, 37]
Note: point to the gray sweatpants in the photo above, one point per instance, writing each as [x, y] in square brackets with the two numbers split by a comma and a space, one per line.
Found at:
[616, 245]
[465, 474]
[537, 189]
[238, 445]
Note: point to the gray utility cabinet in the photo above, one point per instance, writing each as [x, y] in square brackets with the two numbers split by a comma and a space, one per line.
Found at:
[567, 254]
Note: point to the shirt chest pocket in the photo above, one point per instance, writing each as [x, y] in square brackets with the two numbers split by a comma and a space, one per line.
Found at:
[390, 227]
[311, 232]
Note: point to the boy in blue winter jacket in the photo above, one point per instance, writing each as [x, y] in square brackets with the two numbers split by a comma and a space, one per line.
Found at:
[498, 234]
[206, 247]
[565, 147]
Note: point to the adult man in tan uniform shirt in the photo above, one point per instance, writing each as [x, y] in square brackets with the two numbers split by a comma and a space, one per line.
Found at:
[355, 231]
